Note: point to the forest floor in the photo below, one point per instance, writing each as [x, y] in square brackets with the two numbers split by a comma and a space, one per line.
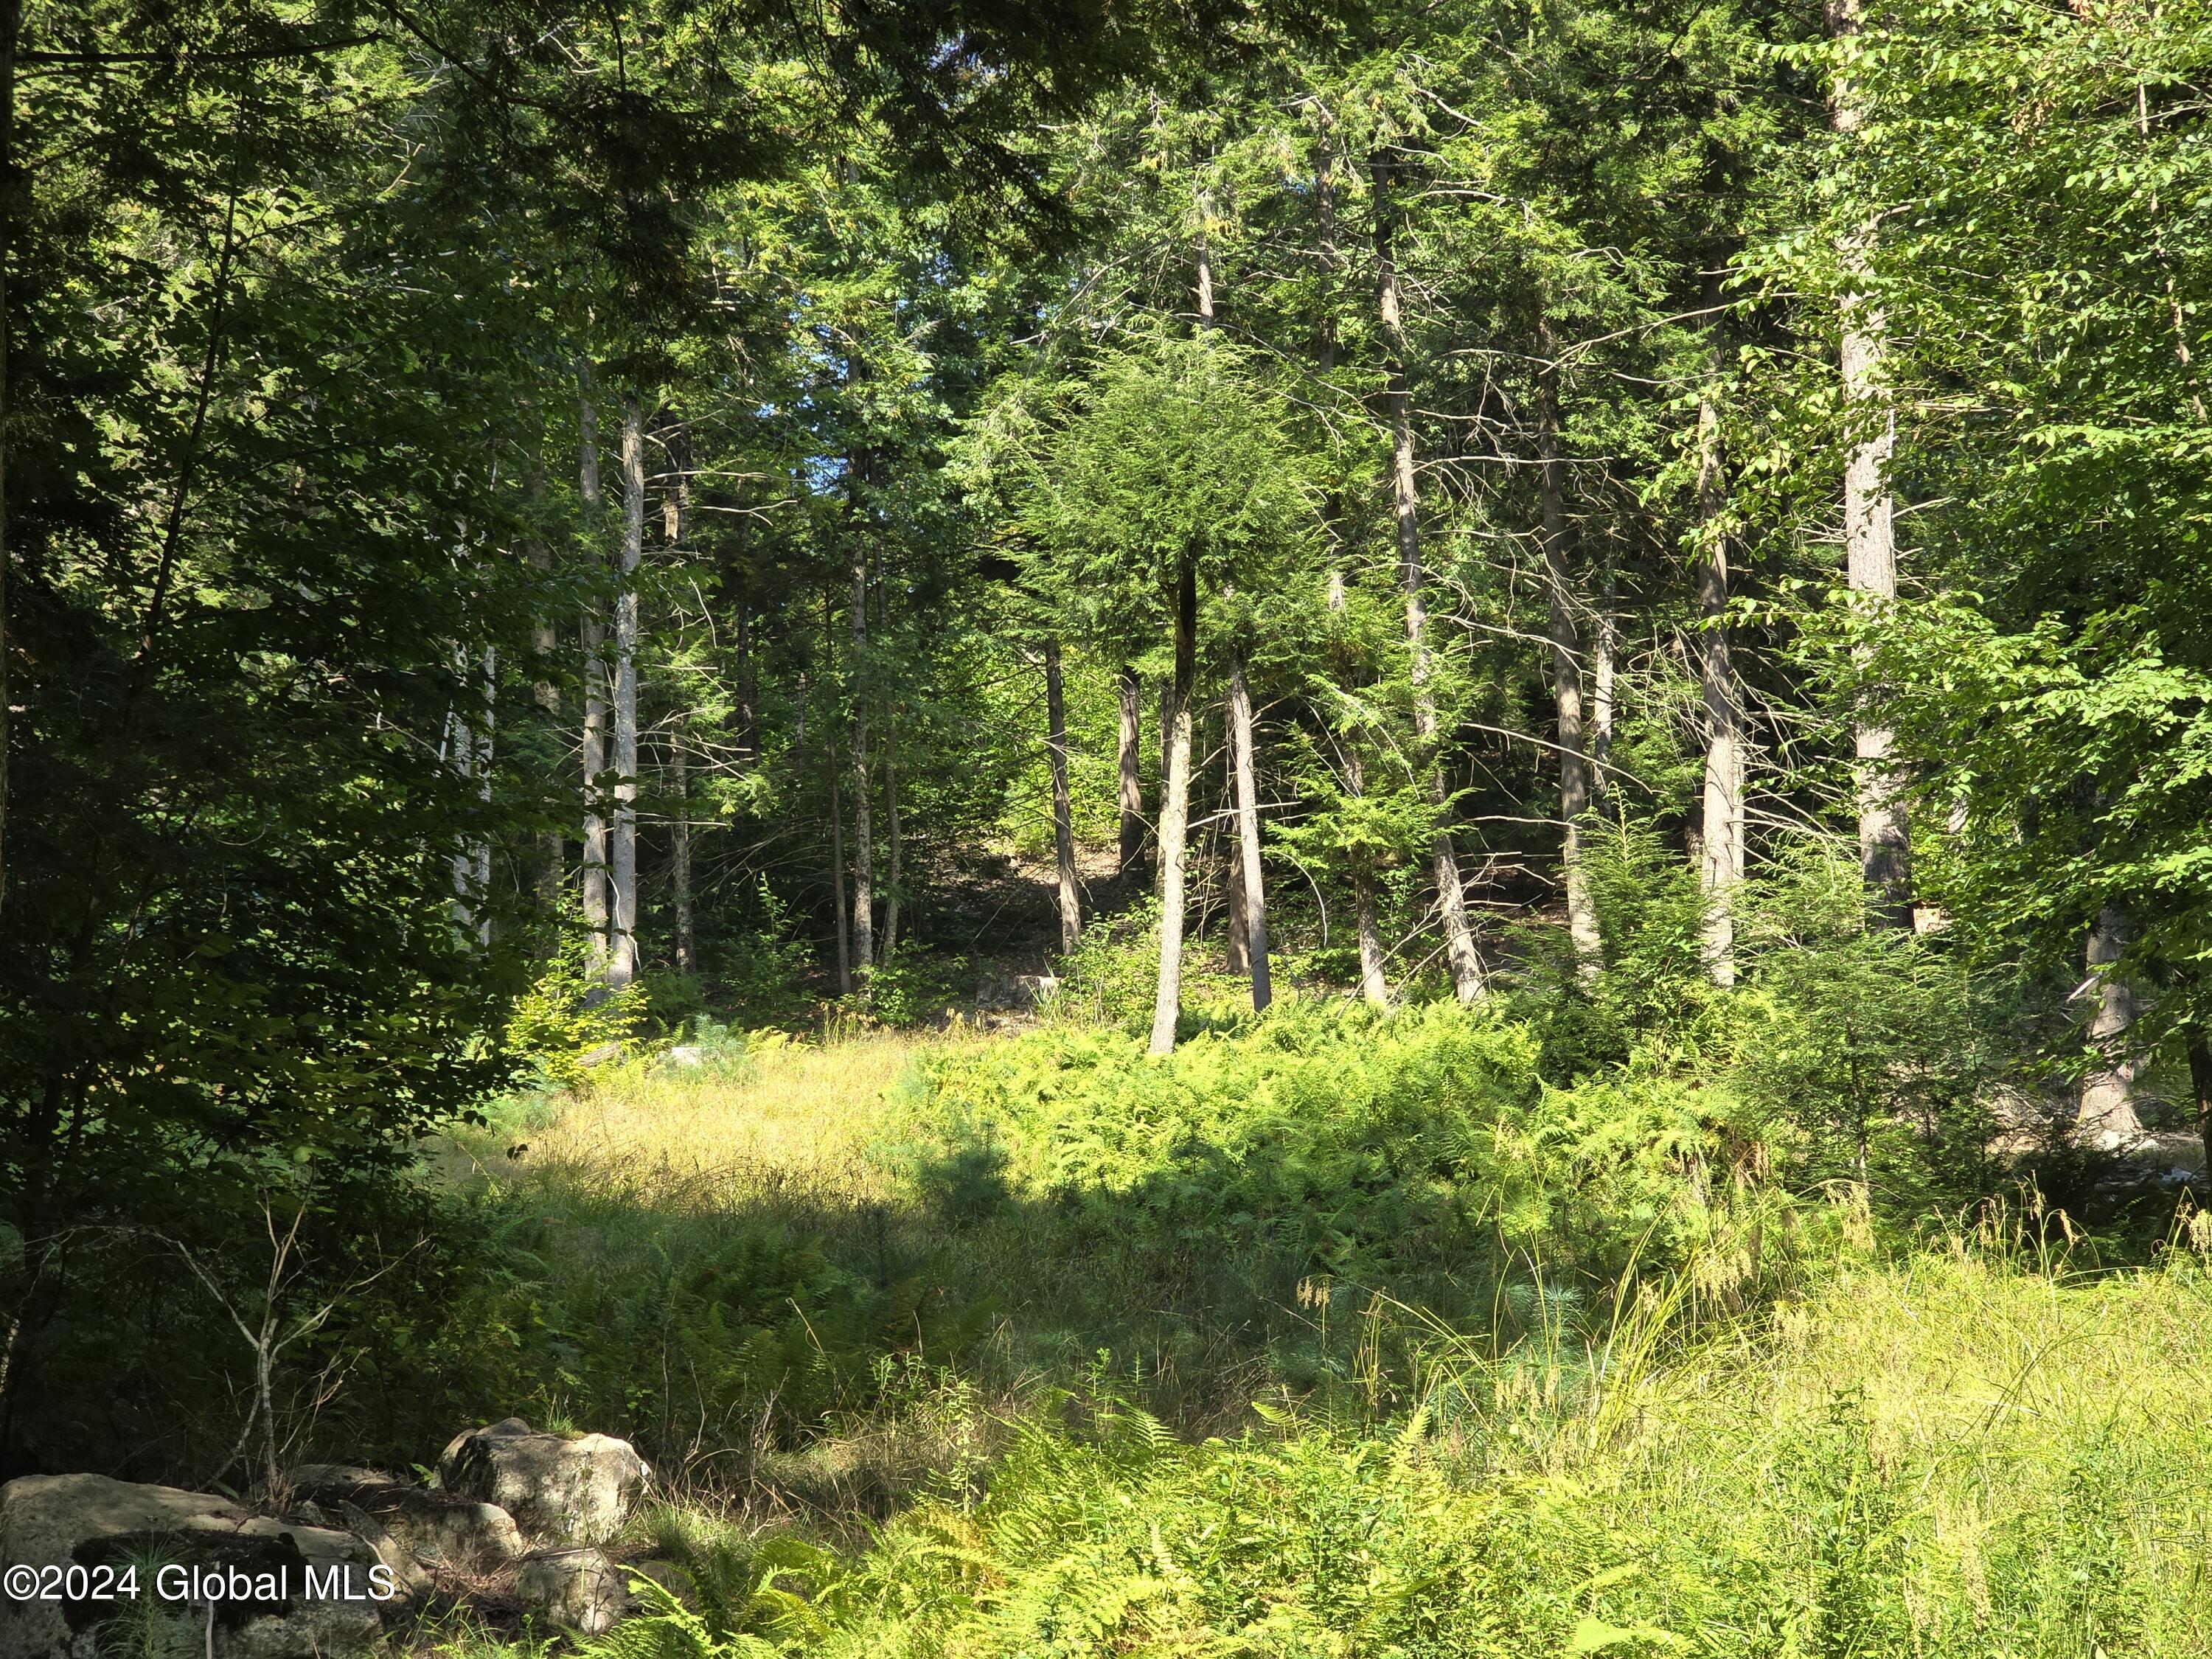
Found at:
[1972, 1448]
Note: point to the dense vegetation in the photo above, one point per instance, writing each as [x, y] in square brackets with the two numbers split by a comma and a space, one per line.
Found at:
[1550, 653]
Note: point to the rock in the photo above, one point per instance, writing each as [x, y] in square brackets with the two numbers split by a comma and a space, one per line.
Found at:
[559, 1490]
[407, 1573]
[684, 1057]
[443, 1528]
[1036, 989]
[574, 1587]
[284, 1590]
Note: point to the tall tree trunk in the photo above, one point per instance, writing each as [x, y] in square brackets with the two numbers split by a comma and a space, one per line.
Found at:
[836, 809]
[1605, 656]
[1063, 802]
[596, 910]
[469, 753]
[1721, 853]
[2200, 1087]
[864, 851]
[1373, 983]
[1236, 956]
[1567, 681]
[544, 643]
[11, 29]
[895, 891]
[1871, 543]
[679, 848]
[1167, 754]
[1248, 831]
[2107, 1116]
[1451, 897]
[622, 940]
[1132, 785]
[1175, 811]
[675, 532]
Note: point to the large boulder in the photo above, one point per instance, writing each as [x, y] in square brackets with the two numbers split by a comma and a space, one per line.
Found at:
[559, 1490]
[573, 1586]
[443, 1529]
[178, 1575]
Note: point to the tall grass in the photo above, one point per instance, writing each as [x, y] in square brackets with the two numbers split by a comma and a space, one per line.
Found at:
[1976, 1445]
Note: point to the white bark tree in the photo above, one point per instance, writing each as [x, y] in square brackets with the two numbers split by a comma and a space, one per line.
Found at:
[1575, 795]
[1721, 860]
[1252, 892]
[1451, 896]
[2107, 1117]
[1870, 541]
[1063, 802]
[596, 910]
[622, 940]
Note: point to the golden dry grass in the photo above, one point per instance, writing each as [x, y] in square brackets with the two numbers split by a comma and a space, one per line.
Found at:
[793, 1129]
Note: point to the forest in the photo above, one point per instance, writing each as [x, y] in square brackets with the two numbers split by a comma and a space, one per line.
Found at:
[1283, 827]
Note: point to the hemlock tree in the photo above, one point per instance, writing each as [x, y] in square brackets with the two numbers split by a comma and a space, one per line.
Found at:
[1172, 472]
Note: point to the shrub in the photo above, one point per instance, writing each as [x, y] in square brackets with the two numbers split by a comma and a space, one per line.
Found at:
[568, 1012]
[1390, 1148]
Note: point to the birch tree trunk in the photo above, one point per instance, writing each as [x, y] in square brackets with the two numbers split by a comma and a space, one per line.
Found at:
[836, 809]
[1248, 831]
[1374, 984]
[1236, 953]
[621, 941]
[1566, 681]
[596, 907]
[1605, 657]
[2199, 1048]
[864, 851]
[1174, 812]
[1167, 754]
[2107, 1116]
[1451, 897]
[1721, 853]
[1132, 785]
[1063, 802]
[1870, 545]
[675, 531]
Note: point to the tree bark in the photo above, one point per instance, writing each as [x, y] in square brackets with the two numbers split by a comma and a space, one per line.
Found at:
[679, 848]
[1132, 785]
[11, 29]
[1721, 854]
[1247, 832]
[837, 810]
[544, 643]
[2108, 1115]
[1236, 953]
[1451, 897]
[1063, 802]
[469, 752]
[1167, 752]
[1870, 545]
[1175, 811]
[864, 852]
[597, 911]
[1566, 682]
[894, 892]
[1605, 657]
[622, 940]
[2200, 1087]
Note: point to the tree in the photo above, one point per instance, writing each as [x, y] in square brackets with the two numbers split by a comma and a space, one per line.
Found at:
[1170, 471]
